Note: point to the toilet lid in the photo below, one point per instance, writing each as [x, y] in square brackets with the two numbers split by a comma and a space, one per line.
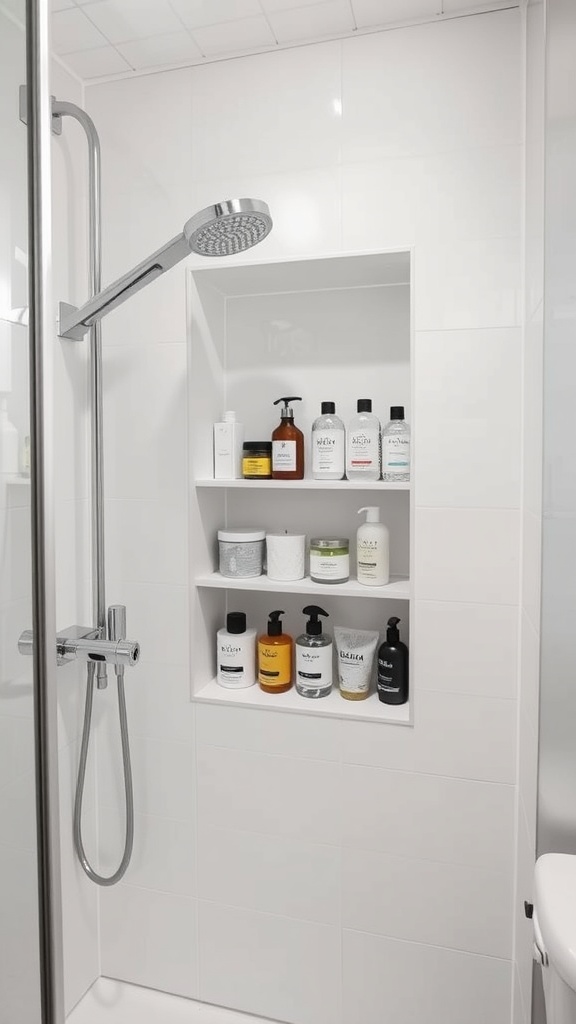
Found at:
[555, 902]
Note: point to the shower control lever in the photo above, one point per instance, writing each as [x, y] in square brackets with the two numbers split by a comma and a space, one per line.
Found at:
[82, 644]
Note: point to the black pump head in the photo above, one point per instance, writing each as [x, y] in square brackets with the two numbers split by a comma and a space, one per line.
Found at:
[393, 633]
[314, 626]
[287, 413]
[274, 624]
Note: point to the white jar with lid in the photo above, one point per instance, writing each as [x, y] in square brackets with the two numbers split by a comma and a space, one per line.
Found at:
[241, 552]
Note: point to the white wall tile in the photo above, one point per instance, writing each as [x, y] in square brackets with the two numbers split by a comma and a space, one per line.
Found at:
[468, 418]
[405, 980]
[453, 820]
[268, 732]
[275, 795]
[467, 555]
[530, 672]
[532, 566]
[265, 964]
[524, 928]
[154, 612]
[518, 1012]
[164, 856]
[453, 905]
[149, 938]
[272, 874]
[403, 90]
[146, 540]
[163, 773]
[158, 700]
[478, 739]
[482, 655]
[528, 770]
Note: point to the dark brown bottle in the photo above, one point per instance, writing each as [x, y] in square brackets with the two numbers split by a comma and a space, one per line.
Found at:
[287, 445]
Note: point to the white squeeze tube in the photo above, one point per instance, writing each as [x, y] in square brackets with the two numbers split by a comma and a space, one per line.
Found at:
[355, 649]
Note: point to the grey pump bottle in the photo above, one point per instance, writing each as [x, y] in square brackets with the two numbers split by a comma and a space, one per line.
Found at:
[313, 657]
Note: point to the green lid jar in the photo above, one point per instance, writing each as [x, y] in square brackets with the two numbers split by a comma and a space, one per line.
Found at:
[329, 559]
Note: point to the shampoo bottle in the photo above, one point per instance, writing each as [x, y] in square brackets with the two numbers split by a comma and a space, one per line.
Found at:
[393, 666]
[372, 550]
[275, 657]
[313, 657]
[363, 444]
[328, 454]
[236, 653]
[287, 445]
[228, 437]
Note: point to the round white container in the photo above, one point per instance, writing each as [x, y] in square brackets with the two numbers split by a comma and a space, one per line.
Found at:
[285, 556]
[241, 552]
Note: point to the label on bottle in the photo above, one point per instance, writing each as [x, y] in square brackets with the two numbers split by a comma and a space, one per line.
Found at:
[364, 450]
[386, 681]
[274, 663]
[284, 456]
[327, 452]
[329, 566]
[314, 666]
[370, 560]
[395, 453]
[236, 659]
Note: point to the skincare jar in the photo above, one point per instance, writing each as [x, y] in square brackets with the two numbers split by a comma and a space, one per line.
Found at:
[257, 460]
[329, 559]
[241, 552]
[285, 556]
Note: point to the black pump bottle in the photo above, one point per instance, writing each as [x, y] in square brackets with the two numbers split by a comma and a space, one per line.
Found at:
[393, 666]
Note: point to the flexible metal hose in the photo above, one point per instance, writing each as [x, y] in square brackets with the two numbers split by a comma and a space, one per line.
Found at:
[128, 790]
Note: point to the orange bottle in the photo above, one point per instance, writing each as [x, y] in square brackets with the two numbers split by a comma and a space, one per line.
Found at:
[275, 657]
[287, 445]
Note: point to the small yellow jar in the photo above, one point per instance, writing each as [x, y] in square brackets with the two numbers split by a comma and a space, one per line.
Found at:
[257, 460]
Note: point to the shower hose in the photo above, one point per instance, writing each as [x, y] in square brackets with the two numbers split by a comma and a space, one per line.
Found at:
[128, 791]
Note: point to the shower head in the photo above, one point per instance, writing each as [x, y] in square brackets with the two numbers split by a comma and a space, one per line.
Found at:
[224, 229]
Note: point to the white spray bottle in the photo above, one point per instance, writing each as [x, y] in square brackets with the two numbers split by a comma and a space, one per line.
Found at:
[372, 550]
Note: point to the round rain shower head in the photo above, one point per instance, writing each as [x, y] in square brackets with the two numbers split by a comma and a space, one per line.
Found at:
[228, 228]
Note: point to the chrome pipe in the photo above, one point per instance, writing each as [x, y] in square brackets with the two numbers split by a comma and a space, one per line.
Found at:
[40, 342]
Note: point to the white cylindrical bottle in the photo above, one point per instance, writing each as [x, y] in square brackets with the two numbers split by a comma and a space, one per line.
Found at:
[236, 653]
[372, 550]
[363, 444]
[228, 438]
[328, 445]
[396, 447]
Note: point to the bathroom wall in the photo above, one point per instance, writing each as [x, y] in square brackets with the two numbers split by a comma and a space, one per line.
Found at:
[531, 502]
[309, 870]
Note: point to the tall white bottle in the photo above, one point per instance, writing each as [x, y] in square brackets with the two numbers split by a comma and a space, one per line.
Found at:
[363, 444]
[372, 550]
[328, 444]
[228, 438]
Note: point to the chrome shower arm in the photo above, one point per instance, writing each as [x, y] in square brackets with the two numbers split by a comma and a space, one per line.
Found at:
[74, 323]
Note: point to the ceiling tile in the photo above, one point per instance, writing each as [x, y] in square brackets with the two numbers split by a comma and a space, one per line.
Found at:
[124, 20]
[371, 13]
[199, 13]
[71, 31]
[234, 36]
[270, 6]
[323, 19]
[95, 63]
[174, 48]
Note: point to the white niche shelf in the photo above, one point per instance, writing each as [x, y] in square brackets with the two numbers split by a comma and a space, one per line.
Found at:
[333, 329]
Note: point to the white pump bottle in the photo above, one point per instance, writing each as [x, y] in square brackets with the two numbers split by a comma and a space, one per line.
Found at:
[372, 550]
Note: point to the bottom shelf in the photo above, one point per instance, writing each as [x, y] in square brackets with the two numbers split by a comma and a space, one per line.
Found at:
[334, 706]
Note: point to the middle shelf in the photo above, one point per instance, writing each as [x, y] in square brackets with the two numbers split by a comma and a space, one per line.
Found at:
[398, 589]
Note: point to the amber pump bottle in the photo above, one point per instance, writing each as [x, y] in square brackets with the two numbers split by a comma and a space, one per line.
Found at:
[287, 445]
[275, 657]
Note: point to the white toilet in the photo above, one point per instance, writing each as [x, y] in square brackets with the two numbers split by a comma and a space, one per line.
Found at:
[555, 934]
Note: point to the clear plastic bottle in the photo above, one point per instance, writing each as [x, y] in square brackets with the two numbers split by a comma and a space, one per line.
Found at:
[313, 657]
[363, 444]
[396, 447]
[328, 445]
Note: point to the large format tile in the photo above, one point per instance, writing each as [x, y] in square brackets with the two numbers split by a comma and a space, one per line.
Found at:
[402, 90]
[164, 855]
[267, 732]
[468, 418]
[450, 820]
[269, 965]
[481, 656]
[409, 983]
[163, 772]
[156, 616]
[478, 739]
[149, 938]
[147, 540]
[453, 905]
[274, 795]
[468, 555]
[273, 874]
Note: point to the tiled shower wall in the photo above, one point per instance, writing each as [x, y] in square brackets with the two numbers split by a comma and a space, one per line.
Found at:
[278, 854]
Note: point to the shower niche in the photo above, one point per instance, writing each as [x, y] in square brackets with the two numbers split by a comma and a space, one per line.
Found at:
[331, 329]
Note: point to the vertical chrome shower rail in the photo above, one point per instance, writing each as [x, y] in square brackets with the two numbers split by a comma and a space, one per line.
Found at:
[42, 521]
[60, 108]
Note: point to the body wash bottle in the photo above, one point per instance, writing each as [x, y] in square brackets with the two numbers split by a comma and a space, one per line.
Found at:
[363, 444]
[313, 657]
[328, 445]
[396, 447]
[287, 445]
[236, 653]
[228, 437]
[372, 550]
[275, 657]
[393, 666]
